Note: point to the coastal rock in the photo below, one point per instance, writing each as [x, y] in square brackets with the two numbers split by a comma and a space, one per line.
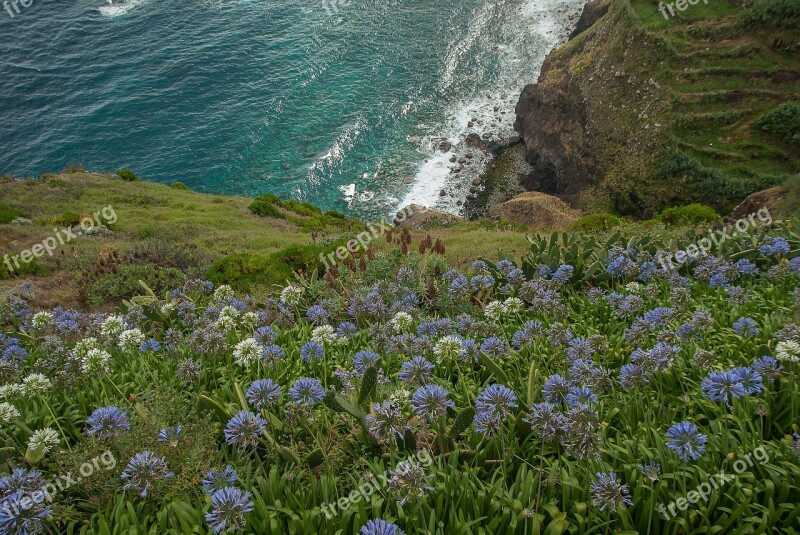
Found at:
[415, 216]
[536, 210]
[445, 146]
[773, 199]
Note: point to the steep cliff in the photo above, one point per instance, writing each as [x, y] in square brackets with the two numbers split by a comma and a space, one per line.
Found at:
[641, 110]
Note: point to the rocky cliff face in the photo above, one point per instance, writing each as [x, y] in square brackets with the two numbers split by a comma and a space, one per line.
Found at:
[636, 113]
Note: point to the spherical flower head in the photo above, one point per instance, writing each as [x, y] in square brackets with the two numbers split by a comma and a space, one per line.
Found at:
[794, 265]
[580, 395]
[8, 412]
[608, 493]
[272, 353]
[107, 422]
[514, 305]
[767, 367]
[11, 391]
[291, 294]
[247, 352]
[266, 335]
[416, 371]
[228, 509]
[796, 444]
[43, 440]
[85, 345]
[307, 391]
[408, 481]
[312, 351]
[556, 389]
[448, 347]
[494, 310]
[96, 361]
[346, 329]
[746, 327]
[36, 384]
[150, 345]
[481, 282]
[775, 247]
[188, 370]
[401, 322]
[144, 471]
[112, 327]
[170, 435]
[263, 393]
[750, 380]
[22, 514]
[217, 479]
[380, 527]
[487, 422]
[650, 470]
[495, 347]
[385, 422]
[545, 420]
[244, 429]
[364, 359]
[787, 351]
[431, 401]
[497, 399]
[223, 293]
[723, 386]
[318, 315]
[632, 376]
[563, 274]
[41, 320]
[130, 340]
[686, 441]
[516, 276]
[325, 335]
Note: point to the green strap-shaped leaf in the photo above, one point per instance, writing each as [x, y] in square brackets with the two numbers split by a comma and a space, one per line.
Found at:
[462, 422]
[493, 368]
[368, 383]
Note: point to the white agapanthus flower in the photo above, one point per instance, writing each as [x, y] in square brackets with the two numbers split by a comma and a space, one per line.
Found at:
[788, 350]
[633, 287]
[130, 339]
[249, 318]
[36, 383]
[514, 305]
[112, 327]
[448, 347]
[223, 292]
[167, 309]
[8, 412]
[324, 334]
[291, 294]
[86, 345]
[228, 319]
[11, 391]
[96, 361]
[401, 321]
[495, 310]
[43, 440]
[41, 320]
[400, 398]
[247, 351]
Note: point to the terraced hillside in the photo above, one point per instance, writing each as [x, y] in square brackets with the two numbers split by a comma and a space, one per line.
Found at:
[642, 111]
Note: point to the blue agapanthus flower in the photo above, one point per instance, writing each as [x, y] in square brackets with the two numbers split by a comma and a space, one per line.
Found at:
[746, 267]
[217, 479]
[632, 376]
[23, 514]
[266, 335]
[608, 493]
[431, 401]
[580, 395]
[364, 359]
[529, 331]
[170, 435]
[107, 422]
[312, 351]
[272, 353]
[686, 441]
[495, 347]
[244, 429]
[380, 527]
[794, 265]
[496, 399]
[416, 371]
[150, 345]
[768, 367]
[775, 247]
[750, 379]
[481, 282]
[346, 329]
[723, 386]
[556, 389]
[504, 267]
[563, 274]
[318, 315]
[228, 509]
[546, 420]
[746, 327]
[487, 422]
[307, 391]
[263, 393]
[143, 471]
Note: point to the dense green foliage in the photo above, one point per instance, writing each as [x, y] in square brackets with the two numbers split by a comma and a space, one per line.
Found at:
[595, 222]
[7, 214]
[693, 214]
[783, 120]
[775, 13]
[127, 175]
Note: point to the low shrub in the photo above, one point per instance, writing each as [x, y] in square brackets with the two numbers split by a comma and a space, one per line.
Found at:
[127, 175]
[264, 206]
[774, 14]
[783, 121]
[7, 214]
[688, 215]
[20, 268]
[595, 223]
[180, 186]
[124, 283]
[302, 208]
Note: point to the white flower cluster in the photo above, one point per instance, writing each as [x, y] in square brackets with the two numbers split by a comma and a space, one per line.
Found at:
[326, 335]
[130, 340]
[247, 351]
[8, 412]
[496, 310]
[788, 350]
[223, 292]
[291, 294]
[228, 319]
[447, 348]
[43, 440]
[96, 361]
[112, 327]
[401, 321]
[41, 320]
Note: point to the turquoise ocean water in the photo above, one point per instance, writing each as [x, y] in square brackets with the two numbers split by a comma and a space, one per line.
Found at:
[343, 103]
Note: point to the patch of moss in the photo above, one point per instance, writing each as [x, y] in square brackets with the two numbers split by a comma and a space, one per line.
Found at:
[688, 215]
[7, 214]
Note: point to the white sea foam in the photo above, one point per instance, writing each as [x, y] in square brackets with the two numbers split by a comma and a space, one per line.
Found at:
[120, 8]
[532, 29]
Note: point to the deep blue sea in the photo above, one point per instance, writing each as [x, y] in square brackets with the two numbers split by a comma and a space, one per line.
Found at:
[343, 103]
